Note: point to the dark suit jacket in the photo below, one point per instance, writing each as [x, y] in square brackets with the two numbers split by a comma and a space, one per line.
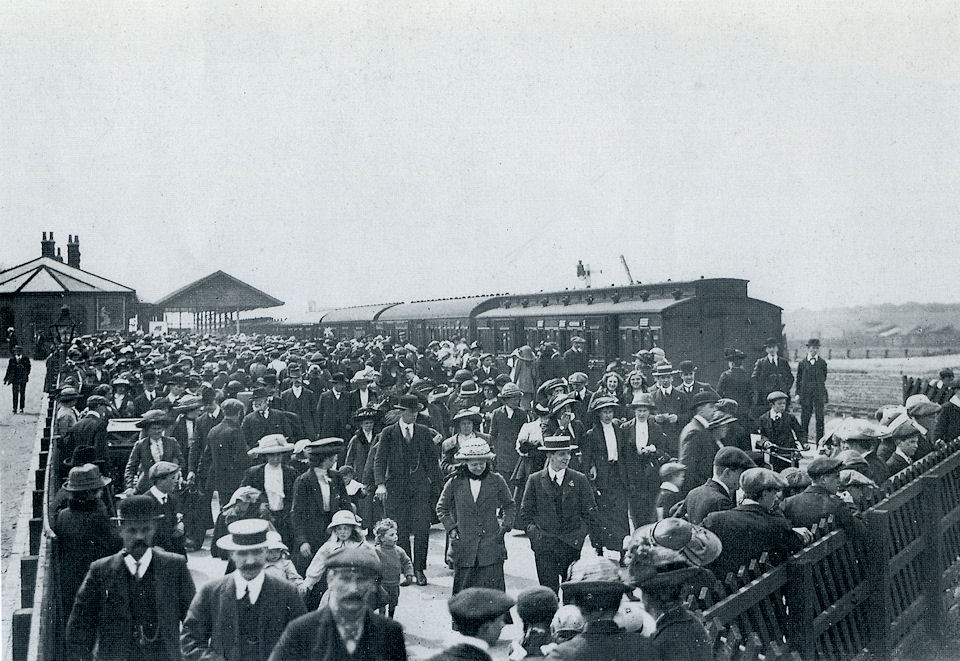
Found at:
[641, 472]
[314, 637]
[204, 423]
[482, 375]
[575, 361]
[141, 459]
[948, 423]
[697, 450]
[304, 406]
[768, 377]
[18, 371]
[812, 380]
[814, 503]
[736, 384]
[141, 404]
[746, 532]
[672, 403]
[254, 478]
[335, 416]
[210, 630]
[391, 460]
[785, 432]
[896, 463]
[706, 498]
[166, 537]
[594, 456]
[102, 611]
[307, 516]
[90, 430]
[225, 458]
[481, 535]
[255, 427]
[568, 521]
[681, 636]
[603, 639]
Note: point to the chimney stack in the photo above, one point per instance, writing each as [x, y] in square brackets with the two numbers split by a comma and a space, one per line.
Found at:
[73, 251]
[47, 246]
[59, 256]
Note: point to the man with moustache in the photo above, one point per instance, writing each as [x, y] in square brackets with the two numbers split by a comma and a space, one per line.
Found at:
[346, 627]
[131, 603]
[241, 616]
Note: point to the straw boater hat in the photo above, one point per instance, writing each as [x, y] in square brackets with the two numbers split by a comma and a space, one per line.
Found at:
[556, 444]
[474, 449]
[471, 413]
[664, 369]
[245, 534]
[271, 444]
[85, 478]
[344, 518]
[642, 399]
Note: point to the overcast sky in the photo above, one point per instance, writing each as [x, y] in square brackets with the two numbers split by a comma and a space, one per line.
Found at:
[362, 152]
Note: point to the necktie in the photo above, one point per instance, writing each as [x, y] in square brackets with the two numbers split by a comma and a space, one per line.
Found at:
[246, 596]
[136, 569]
[407, 436]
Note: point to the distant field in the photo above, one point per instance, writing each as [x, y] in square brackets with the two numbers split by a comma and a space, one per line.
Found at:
[920, 366]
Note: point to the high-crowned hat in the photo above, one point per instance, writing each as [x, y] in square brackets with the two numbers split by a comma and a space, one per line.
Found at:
[261, 393]
[275, 542]
[642, 399]
[409, 403]
[704, 397]
[85, 478]
[271, 444]
[469, 387]
[153, 417]
[695, 543]
[327, 446]
[510, 389]
[338, 377]
[550, 384]
[474, 449]
[813, 342]
[594, 575]
[139, 508]
[366, 413]
[603, 403]
[524, 353]
[344, 518]
[771, 342]
[462, 375]
[687, 367]
[245, 534]
[471, 412]
[541, 409]
[733, 354]
[556, 444]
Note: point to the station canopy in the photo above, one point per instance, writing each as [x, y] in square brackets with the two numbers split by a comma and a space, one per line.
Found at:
[217, 292]
[46, 275]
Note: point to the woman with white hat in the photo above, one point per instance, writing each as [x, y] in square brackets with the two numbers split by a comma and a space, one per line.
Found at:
[346, 531]
[467, 508]
[467, 423]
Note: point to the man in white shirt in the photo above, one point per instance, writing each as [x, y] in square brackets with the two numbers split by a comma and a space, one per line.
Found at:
[264, 604]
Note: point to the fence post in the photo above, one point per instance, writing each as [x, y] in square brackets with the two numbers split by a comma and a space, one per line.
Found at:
[801, 602]
[878, 611]
[933, 556]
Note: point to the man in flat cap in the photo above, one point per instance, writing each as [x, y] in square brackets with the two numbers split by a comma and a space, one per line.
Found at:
[131, 603]
[812, 388]
[478, 615]
[780, 428]
[755, 526]
[820, 500]
[346, 627]
[771, 372]
[720, 491]
[689, 385]
[165, 482]
[697, 444]
[575, 358]
[241, 616]
[904, 433]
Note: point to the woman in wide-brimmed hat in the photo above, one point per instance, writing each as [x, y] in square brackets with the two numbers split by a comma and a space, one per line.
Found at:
[524, 373]
[611, 385]
[358, 454]
[467, 508]
[529, 438]
[467, 424]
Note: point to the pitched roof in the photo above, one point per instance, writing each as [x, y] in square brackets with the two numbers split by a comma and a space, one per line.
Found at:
[47, 275]
[218, 291]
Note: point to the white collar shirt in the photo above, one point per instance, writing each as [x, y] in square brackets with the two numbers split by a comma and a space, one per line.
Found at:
[156, 449]
[667, 391]
[670, 486]
[475, 488]
[556, 476]
[297, 390]
[324, 481]
[610, 440]
[509, 412]
[149, 394]
[407, 430]
[775, 416]
[138, 568]
[812, 359]
[642, 433]
[254, 586]
[900, 453]
[159, 495]
[364, 397]
[273, 485]
[773, 360]
[459, 639]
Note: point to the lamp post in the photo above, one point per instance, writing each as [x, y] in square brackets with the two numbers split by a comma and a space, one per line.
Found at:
[64, 328]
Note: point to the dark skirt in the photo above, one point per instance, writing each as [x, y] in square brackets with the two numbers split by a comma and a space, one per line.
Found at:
[612, 512]
[490, 576]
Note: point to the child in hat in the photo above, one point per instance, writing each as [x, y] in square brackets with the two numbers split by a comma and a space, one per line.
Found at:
[536, 608]
[278, 560]
[672, 474]
[567, 623]
[345, 532]
[394, 561]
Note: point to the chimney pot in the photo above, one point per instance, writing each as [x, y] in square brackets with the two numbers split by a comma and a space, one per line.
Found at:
[73, 251]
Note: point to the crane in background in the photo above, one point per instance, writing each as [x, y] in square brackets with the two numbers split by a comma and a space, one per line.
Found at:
[623, 260]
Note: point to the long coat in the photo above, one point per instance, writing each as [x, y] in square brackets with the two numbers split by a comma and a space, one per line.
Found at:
[503, 438]
[697, 450]
[768, 377]
[314, 637]
[304, 406]
[255, 426]
[18, 370]
[480, 543]
[211, 631]
[736, 384]
[102, 616]
[675, 403]
[84, 534]
[226, 459]
[307, 516]
[610, 485]
[90, 430]
[141, 459]
[567, 521]
[411, 475]
[335, 416]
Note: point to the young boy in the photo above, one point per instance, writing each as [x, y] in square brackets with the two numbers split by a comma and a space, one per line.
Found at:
[672, 474]
[394, 561]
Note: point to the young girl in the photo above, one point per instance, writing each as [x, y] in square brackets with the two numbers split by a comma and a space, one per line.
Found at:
[394, 561]
[278, 561]
[345, 532]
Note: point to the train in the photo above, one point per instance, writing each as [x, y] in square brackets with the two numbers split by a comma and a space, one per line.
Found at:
[693, 320]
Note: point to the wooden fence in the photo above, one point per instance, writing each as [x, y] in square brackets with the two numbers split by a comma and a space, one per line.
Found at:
[921, 386]
[838, 597]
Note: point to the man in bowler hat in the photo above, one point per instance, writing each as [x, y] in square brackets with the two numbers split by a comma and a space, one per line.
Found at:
[812, 388]
[17, 375]
[131, 603]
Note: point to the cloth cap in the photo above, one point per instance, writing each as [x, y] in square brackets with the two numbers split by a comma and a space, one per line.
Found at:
[903, 426]
[139, 508]
[537, 604]
[672, 467]
[68, 394]
[720, 418]
[245, 534]
[474, 449]
[823, 465]
[850, 458]
[853, 478]
[344, 518]
[97, 400]
[777, 394]
[731, 457]
[188, 403]
[796, 478]
[727, 405]
[85, 478]
[920, 405]
[162, 469]
[755, 480]
[479, 604]
[363, 558]
[594, 575]
[271, 444]
[578, 378]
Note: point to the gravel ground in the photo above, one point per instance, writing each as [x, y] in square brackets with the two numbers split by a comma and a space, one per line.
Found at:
[17, 435]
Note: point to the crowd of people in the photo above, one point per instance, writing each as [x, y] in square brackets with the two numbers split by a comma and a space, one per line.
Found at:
[331, 460]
